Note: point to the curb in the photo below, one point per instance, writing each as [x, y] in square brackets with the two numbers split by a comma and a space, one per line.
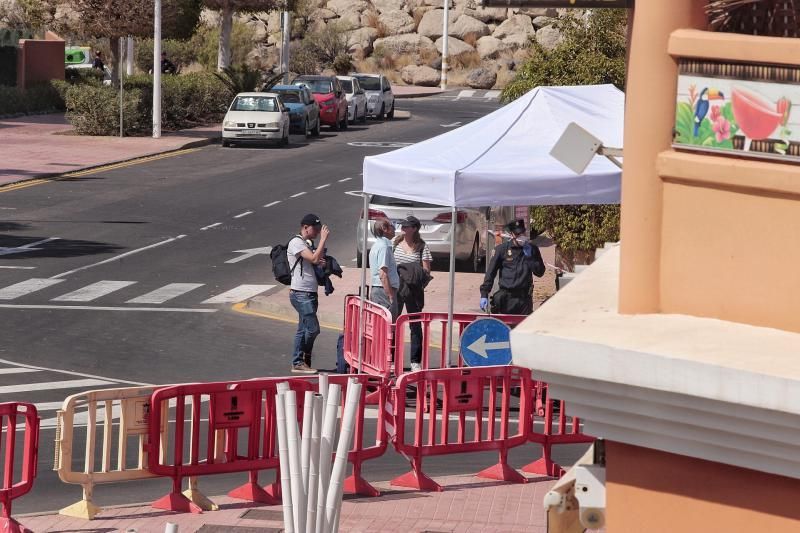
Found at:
[278, 312]
[199, 143]
[417, 95]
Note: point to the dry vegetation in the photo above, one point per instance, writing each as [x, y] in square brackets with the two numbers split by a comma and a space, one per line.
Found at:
[374, 21]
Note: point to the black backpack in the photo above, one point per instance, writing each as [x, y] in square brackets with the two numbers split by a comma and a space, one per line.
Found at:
[280, 262]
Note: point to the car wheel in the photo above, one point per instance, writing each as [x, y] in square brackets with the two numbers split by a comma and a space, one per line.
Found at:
[346, 121]
[316, 128]
[225, 143]
[307, 130]
[364, 116]
[382, 112]
[285, 140]
[473, 262]
[390, 114]
[337, 124]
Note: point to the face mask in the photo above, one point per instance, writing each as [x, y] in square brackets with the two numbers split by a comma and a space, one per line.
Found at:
[521, 240]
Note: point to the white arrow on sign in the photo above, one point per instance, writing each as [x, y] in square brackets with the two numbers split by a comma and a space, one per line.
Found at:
[480, 346]
[26, 247]
[247, 254]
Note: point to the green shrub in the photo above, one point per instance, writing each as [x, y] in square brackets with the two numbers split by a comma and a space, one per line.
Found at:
[39, 98]
[343, 64]
[94, 110]
[8, 65]
[181, 53]
[90, 76]
[577, 228]
[206, 42]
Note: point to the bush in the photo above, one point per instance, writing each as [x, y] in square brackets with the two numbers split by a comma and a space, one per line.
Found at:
[206, 42]
[90, 76]
[95, 110]
[343, 64]
[181, 53]
[8, 65]
[577, 228]
[39, 98]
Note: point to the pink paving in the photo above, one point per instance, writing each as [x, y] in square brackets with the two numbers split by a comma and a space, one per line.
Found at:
[467, 504]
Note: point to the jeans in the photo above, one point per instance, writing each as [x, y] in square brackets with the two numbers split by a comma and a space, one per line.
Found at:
[415, 328]
[306, 304]
[379, 296]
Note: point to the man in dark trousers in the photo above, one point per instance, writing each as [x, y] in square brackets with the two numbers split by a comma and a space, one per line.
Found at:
[517, 260]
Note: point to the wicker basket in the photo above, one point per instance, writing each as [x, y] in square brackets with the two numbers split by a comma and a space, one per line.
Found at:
[777, 18]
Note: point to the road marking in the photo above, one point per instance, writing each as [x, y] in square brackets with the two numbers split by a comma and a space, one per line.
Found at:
[70, 373]
[379, 144]
[344, 179]
[106, 308]
[298, 194]
[25, 247]
[491, 94]
[357, 194]
[26, 287]
[453, 125]
[117, 257]
[251, 252]
[52, 385]
[241, 307]
[276, 202]
[93, 291]
[104, 168]
[162, 294]
[240, 215]
[466, 94]
[17, 267]
[214, 225]
[48, 406]
[17, 370]
[240, 293]
[323, 186]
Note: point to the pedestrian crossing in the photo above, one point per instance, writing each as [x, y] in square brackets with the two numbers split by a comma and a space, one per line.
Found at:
[474, 94]
[109, 290]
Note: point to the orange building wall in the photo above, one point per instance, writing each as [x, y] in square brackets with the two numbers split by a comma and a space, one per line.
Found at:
[39, 61]
[648, 491]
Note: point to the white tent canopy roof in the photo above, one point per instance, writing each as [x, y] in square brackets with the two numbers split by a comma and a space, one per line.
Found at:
[504, 158]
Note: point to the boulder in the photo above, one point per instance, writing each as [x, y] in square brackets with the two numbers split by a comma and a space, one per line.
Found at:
[515, 25]
[397, 22]
[432, 22]
[535, 11]
[405, 44]
[481, 78]
[549, 37]
[454, 46]
[541, 22]
[490, 47]
[423, 76]
[362, 39]
[341, 7]
[487, 14]
[517, 41]
[384, 6]
[322, 14]
[466, 25]
[350, 20]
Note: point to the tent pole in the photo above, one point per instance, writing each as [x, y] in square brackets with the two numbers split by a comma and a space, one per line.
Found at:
[363, 290]
[453, 231]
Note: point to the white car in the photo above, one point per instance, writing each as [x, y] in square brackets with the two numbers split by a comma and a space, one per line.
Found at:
[356, 99]
[256, 117]
[380, 98]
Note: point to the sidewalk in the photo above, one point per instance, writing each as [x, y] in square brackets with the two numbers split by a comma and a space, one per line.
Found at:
[468, 504]
[412, 91]
[41, 146]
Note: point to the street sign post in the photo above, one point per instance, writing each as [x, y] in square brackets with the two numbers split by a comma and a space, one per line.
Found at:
[486, 342]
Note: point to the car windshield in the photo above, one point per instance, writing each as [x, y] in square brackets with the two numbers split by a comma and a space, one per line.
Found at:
[290, 97]
[347, 85]
[368, 83]
[397, 202]
[318, 86]
[254, 103]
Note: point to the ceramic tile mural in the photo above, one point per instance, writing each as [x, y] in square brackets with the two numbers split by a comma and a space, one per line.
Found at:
[743, 109]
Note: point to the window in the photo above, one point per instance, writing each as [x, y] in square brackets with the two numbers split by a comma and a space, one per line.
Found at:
[255, 103]
[368, 83]
[317, 86]
[347, 85]
[291, 97]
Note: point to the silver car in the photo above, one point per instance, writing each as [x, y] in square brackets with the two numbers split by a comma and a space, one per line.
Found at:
[356, 99]
[436, 230]
[380, 98]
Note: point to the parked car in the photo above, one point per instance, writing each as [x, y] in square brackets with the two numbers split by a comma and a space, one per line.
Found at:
[356, 99]
[303, 109]
[256, 117]
[436, 228]
[380, 98]
[331, 99]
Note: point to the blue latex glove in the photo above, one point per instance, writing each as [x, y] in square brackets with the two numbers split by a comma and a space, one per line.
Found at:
[527, 250]
[484, 304]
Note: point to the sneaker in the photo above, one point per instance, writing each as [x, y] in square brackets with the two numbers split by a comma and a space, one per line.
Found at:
[416, 367]
[303, 368]
[307, 359]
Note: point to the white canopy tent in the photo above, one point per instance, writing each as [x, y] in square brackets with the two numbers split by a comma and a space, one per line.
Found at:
[504, 158]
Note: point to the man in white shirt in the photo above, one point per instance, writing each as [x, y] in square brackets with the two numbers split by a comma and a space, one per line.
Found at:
[384, 278]
[303, 256]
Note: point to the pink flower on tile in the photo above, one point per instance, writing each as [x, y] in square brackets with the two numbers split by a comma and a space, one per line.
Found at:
[722, 129]
[716, 112]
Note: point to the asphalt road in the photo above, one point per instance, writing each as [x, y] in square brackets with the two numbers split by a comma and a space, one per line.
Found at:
[127, 276]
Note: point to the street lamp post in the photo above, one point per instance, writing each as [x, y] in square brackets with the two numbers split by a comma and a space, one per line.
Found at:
[445, 32]
[157, 70]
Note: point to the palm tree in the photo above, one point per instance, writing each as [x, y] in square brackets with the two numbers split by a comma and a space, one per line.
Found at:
[756, 17]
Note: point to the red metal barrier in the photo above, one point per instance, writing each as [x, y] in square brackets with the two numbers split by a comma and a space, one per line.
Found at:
[439, 359]
[566, 430]
[376, 336]
[463, 393]
[9, 419]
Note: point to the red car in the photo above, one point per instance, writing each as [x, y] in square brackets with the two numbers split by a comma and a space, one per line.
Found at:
[331, 99]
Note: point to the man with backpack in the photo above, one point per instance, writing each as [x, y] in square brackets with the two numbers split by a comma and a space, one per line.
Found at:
[303, 256]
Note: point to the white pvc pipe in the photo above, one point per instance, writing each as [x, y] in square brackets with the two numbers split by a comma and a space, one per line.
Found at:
[363, 290]
[313, 467]
[305, 439]
[129, 57]
[171, 528]
[282, 387]
[450, 304]
[157, 70]
[323, 390]
[334, 498]
[325, 448]
[283, 455]
[293, 440]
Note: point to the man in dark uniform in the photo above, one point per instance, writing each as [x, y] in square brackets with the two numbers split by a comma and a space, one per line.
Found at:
[517, 260]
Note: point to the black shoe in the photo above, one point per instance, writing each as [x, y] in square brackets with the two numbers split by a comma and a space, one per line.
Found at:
[307, 359]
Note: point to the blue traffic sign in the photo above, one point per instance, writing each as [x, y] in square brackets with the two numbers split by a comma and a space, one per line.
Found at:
[486, 342]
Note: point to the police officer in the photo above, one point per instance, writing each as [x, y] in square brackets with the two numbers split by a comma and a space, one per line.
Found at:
[516, 260]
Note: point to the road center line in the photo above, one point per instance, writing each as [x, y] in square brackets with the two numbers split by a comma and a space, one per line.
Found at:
[276, 202]
[96, 308]
[323, 186]
[120, 256]
[240, 215]
[17, 267]
[344, 179]
[214, 225]
[298, 194]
